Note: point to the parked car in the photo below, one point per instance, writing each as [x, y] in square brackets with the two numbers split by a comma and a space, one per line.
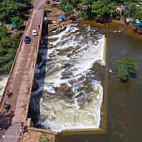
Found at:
[27, 39]
[34, 32]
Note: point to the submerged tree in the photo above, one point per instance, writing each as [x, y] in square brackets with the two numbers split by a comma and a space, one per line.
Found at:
[125, 67]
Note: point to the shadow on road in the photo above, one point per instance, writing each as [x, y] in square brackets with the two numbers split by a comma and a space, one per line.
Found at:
[39, 79]
[5, 122]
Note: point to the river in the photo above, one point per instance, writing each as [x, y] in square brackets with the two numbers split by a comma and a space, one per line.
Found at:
[72, 93]
[3, 80]
[124, 99]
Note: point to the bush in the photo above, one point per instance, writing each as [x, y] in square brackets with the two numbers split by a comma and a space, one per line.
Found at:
[19, 21]
[84, 15]
[68, 8]
[125, 67]
[116, 15]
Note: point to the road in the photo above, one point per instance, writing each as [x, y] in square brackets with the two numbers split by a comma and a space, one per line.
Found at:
[21, 79]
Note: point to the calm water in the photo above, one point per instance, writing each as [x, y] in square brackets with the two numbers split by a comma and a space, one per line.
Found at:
[124, 99]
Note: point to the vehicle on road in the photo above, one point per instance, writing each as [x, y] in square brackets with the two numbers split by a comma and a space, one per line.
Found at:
[27, 39]
[34, 32]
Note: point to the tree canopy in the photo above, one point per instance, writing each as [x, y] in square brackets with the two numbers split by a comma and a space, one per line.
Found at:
[103, 8]
[10, 11]
[125, 67]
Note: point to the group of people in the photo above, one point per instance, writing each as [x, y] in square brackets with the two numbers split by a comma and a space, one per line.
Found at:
[23, 128]
[7, 106]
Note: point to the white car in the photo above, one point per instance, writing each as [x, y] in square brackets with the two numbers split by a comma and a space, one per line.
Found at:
[34, 32]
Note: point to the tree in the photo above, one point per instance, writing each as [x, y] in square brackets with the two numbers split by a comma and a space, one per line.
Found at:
[101, 10]
[3, 32]
[19, 21]
[125, 67]
[138, 13]
[12, 8]
[68, 8]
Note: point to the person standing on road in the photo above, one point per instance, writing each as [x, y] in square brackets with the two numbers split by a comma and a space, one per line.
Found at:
[38, 26]
[9, 93]
[21, 128]
[6, 107]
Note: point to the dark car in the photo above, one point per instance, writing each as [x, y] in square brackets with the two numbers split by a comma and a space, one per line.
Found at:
[27, 39]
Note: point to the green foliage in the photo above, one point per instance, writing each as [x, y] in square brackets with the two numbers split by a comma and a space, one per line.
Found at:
[125, 66]
[100, 10]
[138, 13]
[3, 32]
[84, 15]
[116, 15]
[12, 8]
[45, 140]
[8, 48]
[19, 21]
[75, 2]
[104, 9]
[10, 11]
[130, 9]
[61, 6]
[68, 8]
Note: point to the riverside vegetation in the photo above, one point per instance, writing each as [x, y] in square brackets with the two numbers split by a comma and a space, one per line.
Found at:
[106, 11]
[14, 11]
[103, 10]
[126, 66]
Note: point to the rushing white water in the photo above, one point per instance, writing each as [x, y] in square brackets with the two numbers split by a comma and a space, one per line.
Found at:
[3, 80]
[72, 96]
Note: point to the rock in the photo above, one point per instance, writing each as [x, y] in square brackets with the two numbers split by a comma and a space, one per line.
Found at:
[35, 86]
[50, 46]
[63, 88]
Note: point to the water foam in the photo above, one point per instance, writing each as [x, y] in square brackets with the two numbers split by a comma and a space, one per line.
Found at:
[3, 80]
[67, 103]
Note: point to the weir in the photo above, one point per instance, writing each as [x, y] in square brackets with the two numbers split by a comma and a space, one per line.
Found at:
[70, 65]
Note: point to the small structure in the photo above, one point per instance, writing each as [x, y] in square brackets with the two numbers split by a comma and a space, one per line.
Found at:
[120, 7]
[140, 2]
[13, 25]
[138, 27]
[129, 21]
[62, 17]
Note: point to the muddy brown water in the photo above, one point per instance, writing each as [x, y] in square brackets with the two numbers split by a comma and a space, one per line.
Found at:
[124, 99]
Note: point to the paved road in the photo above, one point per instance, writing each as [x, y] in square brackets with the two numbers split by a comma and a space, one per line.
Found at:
[21, 78]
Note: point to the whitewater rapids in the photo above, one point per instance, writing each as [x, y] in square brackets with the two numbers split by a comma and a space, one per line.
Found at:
[72, 96]
[3, 80]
